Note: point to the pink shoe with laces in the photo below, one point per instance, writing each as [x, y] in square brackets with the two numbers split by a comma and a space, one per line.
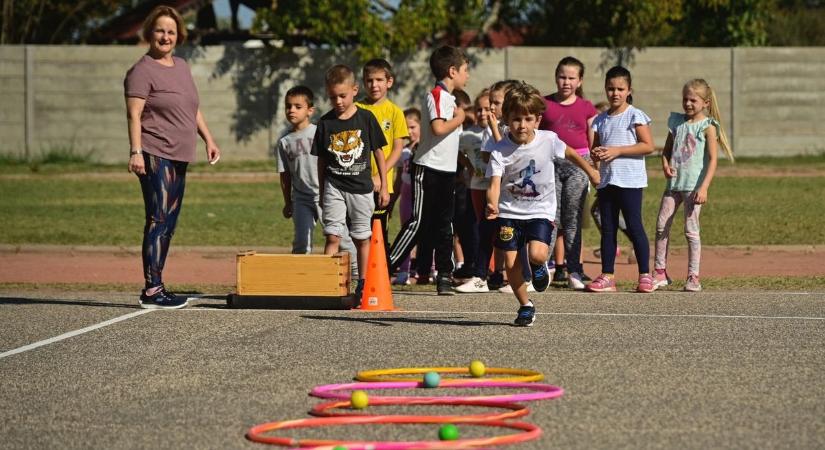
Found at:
[692, 284]
[602, 283]
[646, 284]
[661, 279]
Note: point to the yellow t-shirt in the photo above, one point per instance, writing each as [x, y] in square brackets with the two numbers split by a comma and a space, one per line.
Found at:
[393, 125]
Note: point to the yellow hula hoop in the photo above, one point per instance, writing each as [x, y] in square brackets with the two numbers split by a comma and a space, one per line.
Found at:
[388, 375]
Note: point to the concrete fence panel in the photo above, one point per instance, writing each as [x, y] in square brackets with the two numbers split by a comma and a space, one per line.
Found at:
[71, 97]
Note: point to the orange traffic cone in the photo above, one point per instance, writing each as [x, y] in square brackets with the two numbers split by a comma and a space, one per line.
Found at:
[377, 292]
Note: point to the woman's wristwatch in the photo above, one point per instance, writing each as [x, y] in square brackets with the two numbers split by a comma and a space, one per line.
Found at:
[135, 152]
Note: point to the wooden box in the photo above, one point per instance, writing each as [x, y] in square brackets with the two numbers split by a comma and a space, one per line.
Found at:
[293, 275]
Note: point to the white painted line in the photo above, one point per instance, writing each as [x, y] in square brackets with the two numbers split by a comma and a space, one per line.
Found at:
[26, 348]
[508, 313]
[699, 316]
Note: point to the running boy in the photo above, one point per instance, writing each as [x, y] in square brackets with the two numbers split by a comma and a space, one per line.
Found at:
[345, 137]
[298, 168]
[378, 78]
[526, 206]
[434, 167]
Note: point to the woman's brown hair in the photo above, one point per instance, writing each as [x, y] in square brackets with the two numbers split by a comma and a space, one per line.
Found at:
[161, 11]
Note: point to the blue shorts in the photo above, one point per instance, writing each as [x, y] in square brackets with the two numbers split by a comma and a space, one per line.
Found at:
[512, 234]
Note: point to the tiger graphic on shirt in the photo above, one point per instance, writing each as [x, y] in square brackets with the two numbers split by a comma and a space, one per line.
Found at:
[347, 146]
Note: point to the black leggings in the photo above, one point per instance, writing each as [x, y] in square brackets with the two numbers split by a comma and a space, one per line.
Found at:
[162, 188]
[433, 196]
[628, 201]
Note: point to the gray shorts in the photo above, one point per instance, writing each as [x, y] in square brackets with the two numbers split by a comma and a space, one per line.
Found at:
[339, 206]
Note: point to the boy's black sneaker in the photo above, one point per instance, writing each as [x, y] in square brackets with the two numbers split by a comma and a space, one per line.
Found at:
[495, 281]
[526, 316]
[541, 278]
[358, 294]
[444, 286]
[162, 299]
[561, 274]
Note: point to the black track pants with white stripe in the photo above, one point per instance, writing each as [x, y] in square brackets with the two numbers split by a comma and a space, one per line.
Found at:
[433, 196]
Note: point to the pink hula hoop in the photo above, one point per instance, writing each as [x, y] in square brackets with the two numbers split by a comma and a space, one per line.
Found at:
[540, 391]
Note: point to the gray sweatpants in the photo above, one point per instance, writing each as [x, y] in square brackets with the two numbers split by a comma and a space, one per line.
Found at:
[305, 215]
[571, 193]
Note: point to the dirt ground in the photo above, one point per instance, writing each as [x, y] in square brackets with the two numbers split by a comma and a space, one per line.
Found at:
[216, 265]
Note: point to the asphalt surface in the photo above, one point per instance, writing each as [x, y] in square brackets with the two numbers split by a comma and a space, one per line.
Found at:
[668, 370]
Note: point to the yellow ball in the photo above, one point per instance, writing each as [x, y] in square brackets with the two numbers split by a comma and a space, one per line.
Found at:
[477, 369]
[359, 399]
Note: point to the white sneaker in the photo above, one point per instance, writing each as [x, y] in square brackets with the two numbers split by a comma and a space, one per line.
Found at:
[574, 281]
[473, 285]
[509, 290]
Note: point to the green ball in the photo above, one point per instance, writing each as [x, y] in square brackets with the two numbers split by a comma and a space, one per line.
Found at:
[431, 379]
[448, 432]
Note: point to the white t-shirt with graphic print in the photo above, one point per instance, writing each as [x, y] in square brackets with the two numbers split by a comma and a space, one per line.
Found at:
[528, 180]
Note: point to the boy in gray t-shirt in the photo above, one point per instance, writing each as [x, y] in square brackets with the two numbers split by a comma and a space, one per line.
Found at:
[298, 168]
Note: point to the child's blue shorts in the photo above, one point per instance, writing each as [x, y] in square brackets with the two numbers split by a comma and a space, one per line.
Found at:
[514, 233]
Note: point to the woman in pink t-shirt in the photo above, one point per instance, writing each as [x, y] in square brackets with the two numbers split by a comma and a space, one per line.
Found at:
[569, 115]
[164, 122]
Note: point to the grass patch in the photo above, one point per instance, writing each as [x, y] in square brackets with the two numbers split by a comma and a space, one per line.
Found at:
[67, 162]
[52, 160]
[709, 284]
[815, 161]
[109, 211]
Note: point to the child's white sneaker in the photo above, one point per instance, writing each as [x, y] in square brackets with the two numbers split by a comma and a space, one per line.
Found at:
[473, 285]
[509, 289]
[574, 281]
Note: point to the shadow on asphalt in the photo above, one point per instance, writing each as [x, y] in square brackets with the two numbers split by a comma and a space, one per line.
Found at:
[389, 321]
[40, 301]
[235, 301]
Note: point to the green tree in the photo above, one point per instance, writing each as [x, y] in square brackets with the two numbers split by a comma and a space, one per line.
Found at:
[53, 21]
[601, 23]
[797, 23]
[372, 28]
[724, 23]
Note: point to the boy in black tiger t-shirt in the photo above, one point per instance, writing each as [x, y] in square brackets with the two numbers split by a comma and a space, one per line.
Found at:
[343, 141]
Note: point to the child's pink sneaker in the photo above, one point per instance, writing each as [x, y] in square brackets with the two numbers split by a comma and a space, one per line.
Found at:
[645, 284]
[660, 279]
[692, 284]
[602, 283]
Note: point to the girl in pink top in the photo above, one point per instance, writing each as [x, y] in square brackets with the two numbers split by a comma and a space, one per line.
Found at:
[569, 115]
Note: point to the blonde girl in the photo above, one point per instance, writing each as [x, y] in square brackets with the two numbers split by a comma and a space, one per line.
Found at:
[478, 191]
[689, 164]
[497, 92]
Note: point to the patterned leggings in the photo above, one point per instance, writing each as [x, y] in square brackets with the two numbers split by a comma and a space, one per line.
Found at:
[667, 210]
[571, 193]
[162, 188]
